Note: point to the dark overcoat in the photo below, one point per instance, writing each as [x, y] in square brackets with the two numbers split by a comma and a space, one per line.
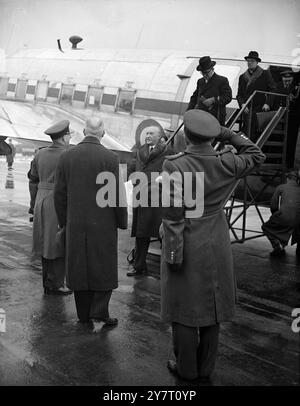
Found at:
[41, 181]
[91, 230]
[260, 80]
[147, 220]
[217, 87]
[202, 291]
[285, 208]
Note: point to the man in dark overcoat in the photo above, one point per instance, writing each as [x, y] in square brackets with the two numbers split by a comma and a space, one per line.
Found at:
[213, 92]
[91, 222]
[197, 280]
[255, 78]
[45, 224]
[147, 218]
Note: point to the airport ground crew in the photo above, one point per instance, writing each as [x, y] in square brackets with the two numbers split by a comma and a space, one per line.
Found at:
[197, 279]
[45, 223]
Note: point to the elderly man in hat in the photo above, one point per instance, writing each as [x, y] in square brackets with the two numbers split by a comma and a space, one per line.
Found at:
[289, 87]
[213, 92]
[85, 175]
[197, 278]
[45, 223]
[255, 78]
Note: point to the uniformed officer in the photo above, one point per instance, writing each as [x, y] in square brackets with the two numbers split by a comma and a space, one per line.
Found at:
[45, 223]
[197, 280]
[289, 87]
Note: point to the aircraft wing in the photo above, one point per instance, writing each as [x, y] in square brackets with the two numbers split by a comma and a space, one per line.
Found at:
[26, 121]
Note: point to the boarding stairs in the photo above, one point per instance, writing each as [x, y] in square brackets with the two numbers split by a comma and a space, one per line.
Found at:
[250, 191]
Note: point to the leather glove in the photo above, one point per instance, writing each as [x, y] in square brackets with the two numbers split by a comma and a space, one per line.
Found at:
[266, 107]
[209, 102]
[225, 135]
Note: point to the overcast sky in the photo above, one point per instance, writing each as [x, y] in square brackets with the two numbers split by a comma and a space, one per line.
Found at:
[231, 27]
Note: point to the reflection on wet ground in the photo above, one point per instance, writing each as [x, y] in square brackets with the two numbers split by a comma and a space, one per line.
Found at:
[44, 345]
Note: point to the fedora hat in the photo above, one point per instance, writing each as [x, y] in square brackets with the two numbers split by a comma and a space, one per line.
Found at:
[201, 124]
[205, 63]
[253, 55]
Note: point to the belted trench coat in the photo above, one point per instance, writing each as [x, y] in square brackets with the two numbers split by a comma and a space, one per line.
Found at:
[202, 291]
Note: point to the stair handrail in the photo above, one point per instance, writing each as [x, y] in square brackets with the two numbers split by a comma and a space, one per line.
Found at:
[261, 141]
[271, 126]
[249, 100]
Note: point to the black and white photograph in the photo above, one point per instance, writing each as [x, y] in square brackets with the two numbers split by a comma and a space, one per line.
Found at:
[149, 197]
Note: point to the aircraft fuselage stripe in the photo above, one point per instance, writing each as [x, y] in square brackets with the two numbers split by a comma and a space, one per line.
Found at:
[141, 103]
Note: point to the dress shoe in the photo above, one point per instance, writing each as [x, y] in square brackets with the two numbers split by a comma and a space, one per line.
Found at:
[277, 253]
[172, 367]
[59, 291]
[136, 272]
[109, 321]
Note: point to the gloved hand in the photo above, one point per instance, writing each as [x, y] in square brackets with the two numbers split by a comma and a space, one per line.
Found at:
[225, 135]
[209, 102]
[246, 111]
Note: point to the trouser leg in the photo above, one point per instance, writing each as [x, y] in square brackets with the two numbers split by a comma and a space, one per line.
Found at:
[53, 273]
[99, 305]
[45, 273]
[274, 242]
[83, 301]
[207, 349]
[141, 250]
[185, 344]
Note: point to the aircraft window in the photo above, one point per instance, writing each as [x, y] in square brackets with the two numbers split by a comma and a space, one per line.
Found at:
[41, 90]
[3, 86]
[94, 96]
[21, 87]
[66, 94]
[125, 101]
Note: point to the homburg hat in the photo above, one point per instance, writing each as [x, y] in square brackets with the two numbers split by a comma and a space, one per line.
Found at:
[253, 55]
[205, 63]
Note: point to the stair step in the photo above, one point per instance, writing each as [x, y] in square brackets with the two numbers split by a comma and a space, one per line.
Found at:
[273, 166]
[274, 144]
[271, 155]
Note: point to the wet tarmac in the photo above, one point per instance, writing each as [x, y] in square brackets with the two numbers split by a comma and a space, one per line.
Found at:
[44, 345]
